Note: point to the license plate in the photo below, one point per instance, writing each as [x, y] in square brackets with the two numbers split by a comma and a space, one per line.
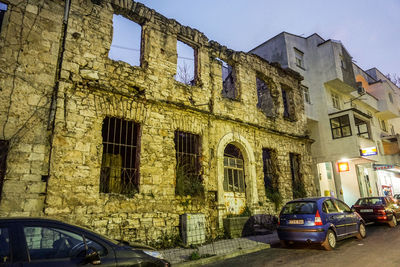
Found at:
[366, 210]
[296, 221]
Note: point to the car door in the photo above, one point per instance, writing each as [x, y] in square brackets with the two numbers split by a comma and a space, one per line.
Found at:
[349, 218]
[49, 245]
[334, 216]
[9, 251]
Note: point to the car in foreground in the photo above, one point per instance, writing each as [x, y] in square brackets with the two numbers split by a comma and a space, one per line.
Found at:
[378, 209]
[320, 220]
[48, 242]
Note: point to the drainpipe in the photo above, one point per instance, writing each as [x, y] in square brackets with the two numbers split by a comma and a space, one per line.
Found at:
[54, 96]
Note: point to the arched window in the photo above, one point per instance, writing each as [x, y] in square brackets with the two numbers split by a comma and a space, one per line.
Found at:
[233, 170]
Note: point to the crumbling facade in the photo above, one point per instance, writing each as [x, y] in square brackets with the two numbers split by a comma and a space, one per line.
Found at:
[125, 149]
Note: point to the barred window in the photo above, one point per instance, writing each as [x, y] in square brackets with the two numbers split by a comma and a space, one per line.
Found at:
[120, 163]
[188, 174]
[233, 170]
[4, 145]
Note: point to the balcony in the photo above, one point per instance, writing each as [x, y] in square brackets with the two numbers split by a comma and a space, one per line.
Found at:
[391, 145]
[387, 110]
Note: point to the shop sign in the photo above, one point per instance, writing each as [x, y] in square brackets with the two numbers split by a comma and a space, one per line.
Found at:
[368, 151]
[378, 167]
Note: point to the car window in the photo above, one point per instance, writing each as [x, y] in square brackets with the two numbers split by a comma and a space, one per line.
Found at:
[329, 207]
[301, 207]
[4, 245]
[371, 201]
[52, 243]
[341, 206]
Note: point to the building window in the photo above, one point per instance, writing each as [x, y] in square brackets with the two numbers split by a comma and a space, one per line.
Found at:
[372, 118]
[391, 98]
[270, 170]
[120, 163]
[288, 111]
[342, 62]
[265, 101]
[3, 9]
[335, 100]
[392, 130]
[233, 170]
[306, 91]
[383, 125]
[362, 127]
[299, 58]
[188, 168]
[126, 43]
[297, 182]
[340, 127]
[228, 81]
[185, 67]
[4, 146]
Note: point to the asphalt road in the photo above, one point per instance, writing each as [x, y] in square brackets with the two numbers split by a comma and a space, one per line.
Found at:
[380, 248]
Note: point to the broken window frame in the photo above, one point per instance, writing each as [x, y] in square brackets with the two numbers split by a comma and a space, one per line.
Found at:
[191, 81]
[234, 180]
[188, 166]
[4, 149]
[114, 130]
[229, 93]
[141, 44]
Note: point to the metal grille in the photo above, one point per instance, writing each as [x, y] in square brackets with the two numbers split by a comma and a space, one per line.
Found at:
[120, 163]
[4, 145]
[188, 177]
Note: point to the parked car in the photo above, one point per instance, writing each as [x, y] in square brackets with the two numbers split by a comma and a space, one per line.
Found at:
[321, 220]
[47, 242]
[378, 209]
[397, 197]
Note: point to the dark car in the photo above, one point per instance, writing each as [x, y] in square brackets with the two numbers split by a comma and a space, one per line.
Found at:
[47, 242]
[378, 209]
[321, 220]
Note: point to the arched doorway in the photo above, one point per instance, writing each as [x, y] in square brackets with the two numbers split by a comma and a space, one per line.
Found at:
[234, 180]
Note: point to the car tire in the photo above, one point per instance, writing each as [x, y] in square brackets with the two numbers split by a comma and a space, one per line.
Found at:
[393, 222]
[330, 240]
[362, 232]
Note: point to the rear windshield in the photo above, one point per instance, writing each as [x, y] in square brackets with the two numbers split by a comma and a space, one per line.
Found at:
[301, 207]
[371, 201]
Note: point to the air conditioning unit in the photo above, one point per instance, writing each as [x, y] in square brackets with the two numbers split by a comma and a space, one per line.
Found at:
[193, 228]
[361, 90]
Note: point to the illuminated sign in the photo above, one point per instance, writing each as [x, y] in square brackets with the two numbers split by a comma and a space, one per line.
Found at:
[368, 151]
[343, 166]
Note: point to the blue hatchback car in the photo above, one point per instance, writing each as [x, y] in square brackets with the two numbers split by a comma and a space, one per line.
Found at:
[322, 220]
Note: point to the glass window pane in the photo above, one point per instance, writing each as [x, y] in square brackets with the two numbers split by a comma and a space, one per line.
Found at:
[4, 246]
[335, 123]
[346, 131]
[344, 120]
[336, 133]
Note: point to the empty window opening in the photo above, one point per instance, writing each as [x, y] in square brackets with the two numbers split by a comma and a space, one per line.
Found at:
[120, 163]
[270, 170]
[265, 101]
[188, 168]
[228, 81]
[286, 103]
[297, 182]
[383, 125]
[126, 42]
[335, 101]
[233, 170]
[306, 91]
[4, 146]
[185, 67]
[362, 127]
[3, 9]
[340, 127]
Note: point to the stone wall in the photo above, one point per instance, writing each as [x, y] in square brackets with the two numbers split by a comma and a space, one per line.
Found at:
[92, 87]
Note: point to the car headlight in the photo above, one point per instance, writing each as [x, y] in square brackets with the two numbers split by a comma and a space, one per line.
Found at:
[154, 254]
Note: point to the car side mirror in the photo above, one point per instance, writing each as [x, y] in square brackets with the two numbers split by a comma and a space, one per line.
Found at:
[92, 257]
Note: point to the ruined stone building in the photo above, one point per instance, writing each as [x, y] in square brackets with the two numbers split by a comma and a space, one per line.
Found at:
[127, 149]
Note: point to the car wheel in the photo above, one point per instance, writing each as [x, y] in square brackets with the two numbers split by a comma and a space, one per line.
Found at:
[362, 232]
[330, 240]
[393, 222]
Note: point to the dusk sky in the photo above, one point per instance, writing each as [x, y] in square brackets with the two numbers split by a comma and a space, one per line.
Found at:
[369, 29]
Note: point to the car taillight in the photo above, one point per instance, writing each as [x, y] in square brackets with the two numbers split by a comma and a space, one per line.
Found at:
[279, 221]
[317, 220]
[381, 211]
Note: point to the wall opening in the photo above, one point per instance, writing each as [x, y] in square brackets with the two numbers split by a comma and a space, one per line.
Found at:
[120, 162]
[3, 9]
[188, 168]
[297, 181]
[228, 81]
[126, 42]
[271, 177]
[186, 64]
[265, 101]
[4, 146]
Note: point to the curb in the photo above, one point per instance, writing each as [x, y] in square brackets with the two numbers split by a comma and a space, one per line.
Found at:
[212, 259]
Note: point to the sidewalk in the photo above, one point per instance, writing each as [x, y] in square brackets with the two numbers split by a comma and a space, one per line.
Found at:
[219, 250]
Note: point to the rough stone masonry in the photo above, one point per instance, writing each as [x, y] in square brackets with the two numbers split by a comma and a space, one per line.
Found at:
[58, 87]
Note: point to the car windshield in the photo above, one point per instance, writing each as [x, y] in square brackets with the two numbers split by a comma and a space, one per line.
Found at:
[300, 207]
[371, 201]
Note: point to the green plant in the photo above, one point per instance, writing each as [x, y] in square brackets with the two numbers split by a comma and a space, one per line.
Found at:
[245, 213]
[194, 256]
[167, 241]
[274, 196]
[299, 190]
[188, 183]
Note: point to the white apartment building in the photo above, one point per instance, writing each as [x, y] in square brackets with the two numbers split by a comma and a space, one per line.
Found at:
[353, 116]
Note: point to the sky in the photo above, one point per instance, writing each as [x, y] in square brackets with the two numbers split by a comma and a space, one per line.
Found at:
[369, 29]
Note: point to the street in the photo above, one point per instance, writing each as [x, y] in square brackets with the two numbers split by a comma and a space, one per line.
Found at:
[379, 248]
